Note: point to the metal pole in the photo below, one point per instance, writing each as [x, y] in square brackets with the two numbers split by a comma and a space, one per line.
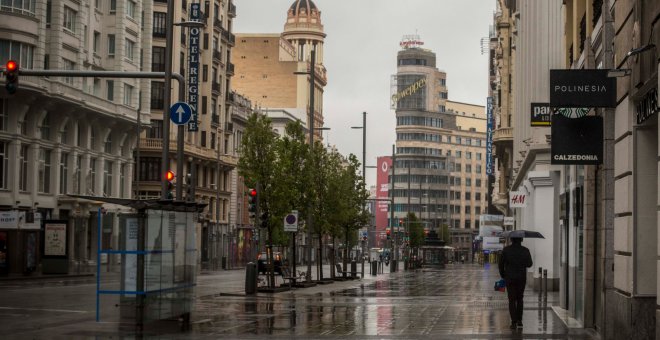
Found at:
[312, 85]
[137, 151]
[169, 33]
[364, 174]
[394, 256]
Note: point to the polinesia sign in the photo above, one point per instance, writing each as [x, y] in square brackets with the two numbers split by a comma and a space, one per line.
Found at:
[582, 88]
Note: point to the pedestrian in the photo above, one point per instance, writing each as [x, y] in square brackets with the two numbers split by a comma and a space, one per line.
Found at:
[513, 264]
[462, 258]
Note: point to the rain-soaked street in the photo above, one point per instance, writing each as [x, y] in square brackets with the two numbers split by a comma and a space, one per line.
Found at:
[453, 303]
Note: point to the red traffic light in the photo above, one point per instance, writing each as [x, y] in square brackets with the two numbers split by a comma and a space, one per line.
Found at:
[169, 175]
[11, 66]
[252, 192]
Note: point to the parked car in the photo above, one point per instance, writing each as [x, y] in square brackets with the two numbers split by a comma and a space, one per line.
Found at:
[262, 262]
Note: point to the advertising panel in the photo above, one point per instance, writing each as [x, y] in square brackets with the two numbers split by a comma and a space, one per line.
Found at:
[577, 141]
[384, 164]
[517, 199]
[55, 239]
[408, 91]
[582, 88]
[541, 114]
[492, 244]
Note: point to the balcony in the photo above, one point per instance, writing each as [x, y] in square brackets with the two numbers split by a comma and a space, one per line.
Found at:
[217, 57]
[230, 69]
[228, 37]
[503, 135]
[215, 119]
[232, 10]
[217, 24]
[159, 33]
[229, 127]
[215, 87]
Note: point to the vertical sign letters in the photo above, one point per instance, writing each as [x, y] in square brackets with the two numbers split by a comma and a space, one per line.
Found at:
[193, 66]
[489, 136]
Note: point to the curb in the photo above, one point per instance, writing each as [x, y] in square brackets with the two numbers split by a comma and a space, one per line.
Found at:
[45, 277]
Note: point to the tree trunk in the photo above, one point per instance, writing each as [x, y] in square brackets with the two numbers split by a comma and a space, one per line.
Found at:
[320, 262]
[271, 262]
[333, 258]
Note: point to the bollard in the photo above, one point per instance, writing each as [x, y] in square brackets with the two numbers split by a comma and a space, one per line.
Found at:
[545, 284]
[540, 281]
[251, 278]
[353, 269]
[374, 268]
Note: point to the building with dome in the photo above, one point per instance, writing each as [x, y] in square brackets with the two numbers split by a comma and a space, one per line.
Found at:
[267, 63]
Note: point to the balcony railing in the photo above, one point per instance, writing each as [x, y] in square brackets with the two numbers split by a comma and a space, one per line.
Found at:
[230, 69]
[215, 119]
[216, 55]
[217, 24]
[229, 127]
[159, 33]
[503, 134]
[229, 37]
[215, 86]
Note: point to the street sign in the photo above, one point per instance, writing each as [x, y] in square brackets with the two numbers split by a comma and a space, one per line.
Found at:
[180, 113]
[193, 65]
[291, 221]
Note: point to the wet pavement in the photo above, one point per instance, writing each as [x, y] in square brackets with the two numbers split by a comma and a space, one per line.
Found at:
[453, 303]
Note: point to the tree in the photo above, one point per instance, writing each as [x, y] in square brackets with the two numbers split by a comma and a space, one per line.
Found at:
[258, 164]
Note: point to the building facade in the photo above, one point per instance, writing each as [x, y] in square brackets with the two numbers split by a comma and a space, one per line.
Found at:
[438, 172]
[271, 67]
[63, 136]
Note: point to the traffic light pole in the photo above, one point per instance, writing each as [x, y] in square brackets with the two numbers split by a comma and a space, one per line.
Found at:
[141, 75]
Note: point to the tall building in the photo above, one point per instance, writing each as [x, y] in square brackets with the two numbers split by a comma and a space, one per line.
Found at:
[209, 153]
[67, 135]
[267, 64]
[439, 165]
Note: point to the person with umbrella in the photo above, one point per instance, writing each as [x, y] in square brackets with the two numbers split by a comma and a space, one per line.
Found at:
[513, 266]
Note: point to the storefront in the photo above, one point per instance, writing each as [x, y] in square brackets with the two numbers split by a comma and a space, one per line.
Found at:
[20, 235]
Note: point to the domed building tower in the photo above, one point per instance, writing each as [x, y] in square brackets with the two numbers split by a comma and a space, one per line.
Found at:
[304, 30]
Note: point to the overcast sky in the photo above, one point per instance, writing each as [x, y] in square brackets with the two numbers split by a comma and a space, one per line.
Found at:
[360, 57]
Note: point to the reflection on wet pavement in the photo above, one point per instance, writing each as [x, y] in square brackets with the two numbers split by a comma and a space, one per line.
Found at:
[457, 302]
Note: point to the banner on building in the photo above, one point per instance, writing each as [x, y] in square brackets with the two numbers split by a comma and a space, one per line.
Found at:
[582, 88]
[489, 136]
[384, 164]
[517, 199]
[408, 91]
[193, 66]
[577, 141]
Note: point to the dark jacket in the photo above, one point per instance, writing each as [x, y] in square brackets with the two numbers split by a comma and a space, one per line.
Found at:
[514, 262]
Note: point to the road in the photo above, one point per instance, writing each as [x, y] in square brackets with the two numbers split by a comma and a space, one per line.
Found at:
[453, 303]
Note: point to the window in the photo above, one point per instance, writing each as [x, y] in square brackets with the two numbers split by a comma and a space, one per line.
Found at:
[205, 102]
[477, 196]
[458, 140]
[203, 138]
[97, 4]
[156, 130]
[64, 134]
[458, 167]
[64, 172]
[44, 171]
[205, 73]
[468, 155]
[467, 224]
[158, 59]
[44, 128]
[107, 146]
[97, 42]
[111, 89]
[458, 154]
[20, 52]
[49, 12]
[468, 196]
[122, 180]
[150, 169]
[68, 65]
[77, 171]
[92, 138]
[467, 209]
[4, 165]
[130, 48]
[157, 95]
[107, 178]
[478, 156]
[130, 9]
[477, 210]
[113, 6]
[213, 138]
[69, 19]
[468, 182]
[159, 25]
[92, 176]
[478, 183]
[111, 44]
[478, 168]
[128, 94]
[468, 168]
[23, 171]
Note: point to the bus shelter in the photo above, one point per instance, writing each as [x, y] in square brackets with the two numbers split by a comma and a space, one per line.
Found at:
[434, 251]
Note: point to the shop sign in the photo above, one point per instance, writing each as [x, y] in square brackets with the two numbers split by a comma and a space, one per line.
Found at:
[648, 106]
[193, 66]
[577, 141]
[9, 219]
[517, 199]
[582, 88]
[541, 114]
[489, 136]
[508, 220]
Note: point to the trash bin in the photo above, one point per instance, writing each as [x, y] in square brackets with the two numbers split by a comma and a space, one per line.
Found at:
[374, 268]
[251, 278]
[224, 262]
[353, 268]
[405, 264]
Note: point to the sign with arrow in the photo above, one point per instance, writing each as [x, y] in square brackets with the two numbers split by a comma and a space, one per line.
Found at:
[291, 221]
[180, 113]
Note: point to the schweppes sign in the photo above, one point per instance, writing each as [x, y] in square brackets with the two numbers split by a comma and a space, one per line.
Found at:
[408, 91]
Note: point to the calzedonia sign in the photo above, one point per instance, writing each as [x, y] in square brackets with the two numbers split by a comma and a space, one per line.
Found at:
[582, 88]
[577, 141]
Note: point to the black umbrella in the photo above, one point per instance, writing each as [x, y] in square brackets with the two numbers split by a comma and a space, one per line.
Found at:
[522, 234]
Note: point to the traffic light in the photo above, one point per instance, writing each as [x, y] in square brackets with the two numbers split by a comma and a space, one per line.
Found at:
[401, 221]
[169, 177]
[388, 234]
[253, 200]
[264, 219]
[11, 76]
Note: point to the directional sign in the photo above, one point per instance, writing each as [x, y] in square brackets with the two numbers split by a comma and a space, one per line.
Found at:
[291, 221]
[180, 113]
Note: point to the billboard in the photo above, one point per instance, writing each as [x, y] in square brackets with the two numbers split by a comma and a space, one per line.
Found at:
[384, 164]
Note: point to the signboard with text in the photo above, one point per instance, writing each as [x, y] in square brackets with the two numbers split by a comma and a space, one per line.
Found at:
[55, 239]
[193, 66]
[517, 199]
[582, 88]
[577, 141]
[541, 114]
[384, 164]
[489, 136]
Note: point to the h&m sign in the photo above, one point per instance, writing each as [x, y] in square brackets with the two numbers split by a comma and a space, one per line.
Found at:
[517, 199]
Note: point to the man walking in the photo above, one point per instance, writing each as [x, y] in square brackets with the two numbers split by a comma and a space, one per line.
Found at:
[513, 266]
